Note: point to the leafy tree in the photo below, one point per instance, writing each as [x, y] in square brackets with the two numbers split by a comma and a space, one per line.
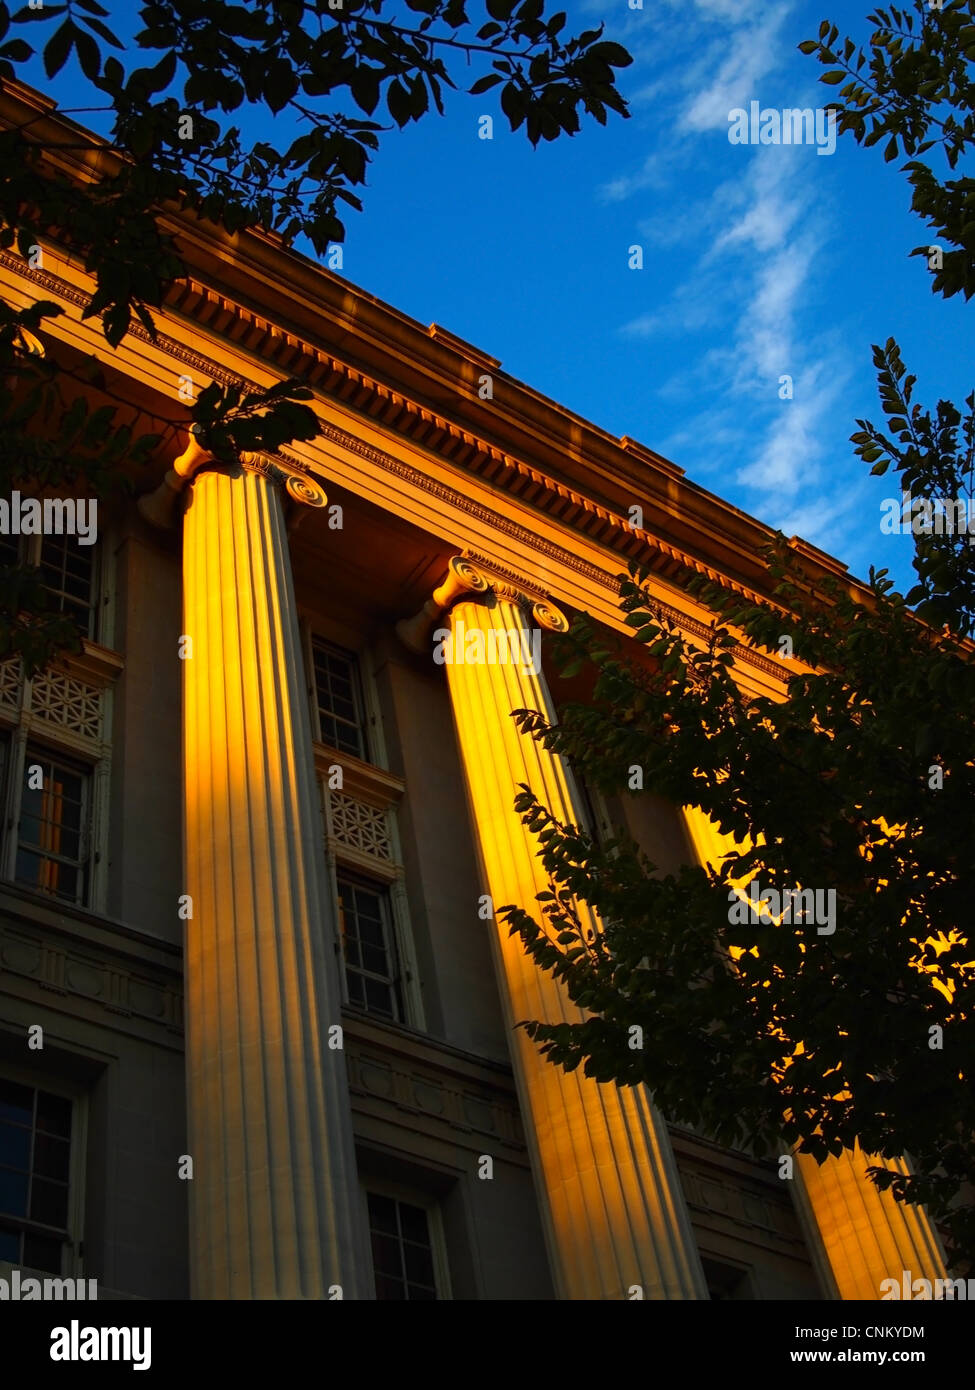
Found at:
[915, 88]
[320, 72]
[758, 1025]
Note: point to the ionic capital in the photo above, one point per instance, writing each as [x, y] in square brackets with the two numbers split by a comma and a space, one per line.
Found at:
[465, 580]
[300, 487]
[547, 615]
[159, 507]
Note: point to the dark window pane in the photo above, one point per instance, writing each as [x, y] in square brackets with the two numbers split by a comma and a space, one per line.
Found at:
[43, 1252]
[54, 1114]
[382, 1214]
[371, 932]
[419, 1263]
[29, 868]
[49, 1202]
[413, 1222]
[391, 1290]
[13, 1192]
[416, 1294]
[16, 1103]
[386, 1255]
[51, 1157]
[374, 959]
[15, 1147]
[9, 1245]
[69, 841]
[378, 998]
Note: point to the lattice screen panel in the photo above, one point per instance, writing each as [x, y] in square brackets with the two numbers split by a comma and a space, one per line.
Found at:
[68, 702]
[359, 825]
[11, 682]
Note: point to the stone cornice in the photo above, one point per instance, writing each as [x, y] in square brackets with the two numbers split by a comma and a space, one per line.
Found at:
[94, 663]
[655, 484]
[570, 509]
[360, 779]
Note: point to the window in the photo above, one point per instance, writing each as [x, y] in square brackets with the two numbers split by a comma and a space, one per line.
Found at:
[403, 1254]
[372, 971]
[35, 1161]
[52, 830]
[596, 818]
[68, 575]
[67, 572]
[338, 697]
[49, 850]
[369, 922]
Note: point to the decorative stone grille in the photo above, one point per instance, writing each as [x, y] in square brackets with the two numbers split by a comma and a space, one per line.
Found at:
[359, 826]
[68, 702]
[11, 682]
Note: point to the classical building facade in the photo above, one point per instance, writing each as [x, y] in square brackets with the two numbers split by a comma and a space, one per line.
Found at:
[256, 1012]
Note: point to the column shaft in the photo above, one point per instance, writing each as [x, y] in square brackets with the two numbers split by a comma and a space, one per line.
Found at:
[273, 1197]
[866, 1235]
[611, 1196]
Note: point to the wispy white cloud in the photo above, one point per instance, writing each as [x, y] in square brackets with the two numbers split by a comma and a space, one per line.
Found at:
[750, 54]
[766, 330]
[655, 172]
[788, 454]
[833, 520]
[754, 240]
[765, 200]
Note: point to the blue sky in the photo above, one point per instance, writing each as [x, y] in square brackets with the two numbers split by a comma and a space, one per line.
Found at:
[759, 261]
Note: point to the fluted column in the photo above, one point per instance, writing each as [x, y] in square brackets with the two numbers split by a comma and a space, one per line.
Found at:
[273, 1209]
[865, 1235]
[613, 1207]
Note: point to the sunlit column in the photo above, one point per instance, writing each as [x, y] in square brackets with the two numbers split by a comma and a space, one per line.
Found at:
[865, 1235]
[612, 1203]
[272, 1198]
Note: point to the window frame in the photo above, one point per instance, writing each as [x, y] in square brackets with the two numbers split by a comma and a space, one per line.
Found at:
[29, 553]
[371, 782]
[86, 774]
[347, 643]
[398, 983]
[429, 1204]
[598, 822]
[72, 1246]
[367, 722]
[19, 744]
